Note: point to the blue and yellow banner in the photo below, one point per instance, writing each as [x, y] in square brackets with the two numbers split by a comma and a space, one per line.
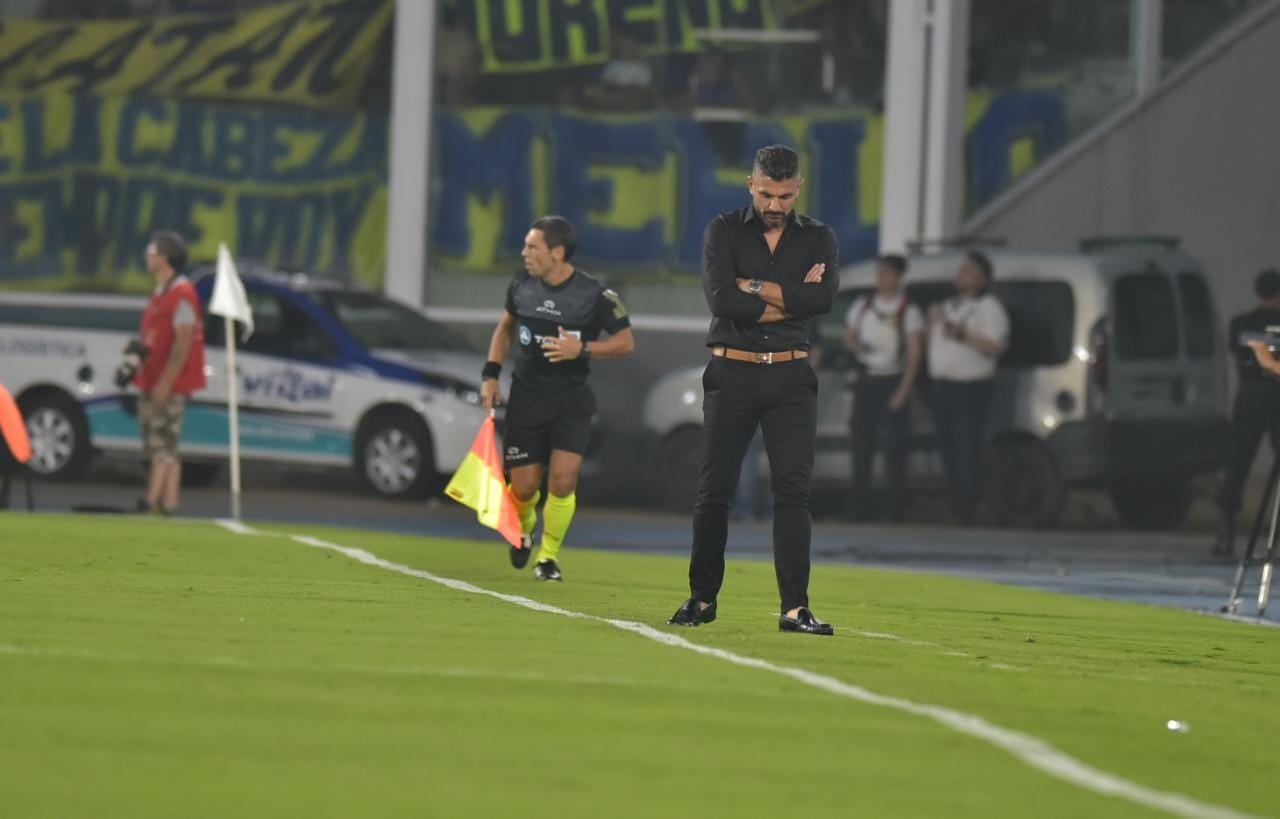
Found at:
[641, 190]
[85, 179]
[306, 52]
[535, 35]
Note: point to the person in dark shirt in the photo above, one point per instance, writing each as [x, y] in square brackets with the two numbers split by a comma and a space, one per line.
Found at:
[1256, 409]
[556, 313]
[766, 272]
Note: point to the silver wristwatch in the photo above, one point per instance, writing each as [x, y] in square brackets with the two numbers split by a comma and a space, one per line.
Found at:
[755, 286]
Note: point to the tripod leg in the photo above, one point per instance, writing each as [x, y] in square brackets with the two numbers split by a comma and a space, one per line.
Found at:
[1270, 499]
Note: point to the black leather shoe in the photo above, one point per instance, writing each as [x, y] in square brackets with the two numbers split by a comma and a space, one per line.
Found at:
[520, 554]
[804, 623]
[691, 613]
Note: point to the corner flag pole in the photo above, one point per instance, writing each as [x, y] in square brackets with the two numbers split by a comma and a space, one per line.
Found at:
[233, 414]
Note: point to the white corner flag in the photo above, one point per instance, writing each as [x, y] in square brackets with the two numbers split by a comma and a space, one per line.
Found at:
[230, 302]
[228, 298]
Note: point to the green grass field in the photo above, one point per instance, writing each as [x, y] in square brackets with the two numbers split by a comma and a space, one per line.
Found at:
[173, 668]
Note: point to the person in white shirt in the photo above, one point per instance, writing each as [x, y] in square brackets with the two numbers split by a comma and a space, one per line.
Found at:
[884, 332]
[967, 335]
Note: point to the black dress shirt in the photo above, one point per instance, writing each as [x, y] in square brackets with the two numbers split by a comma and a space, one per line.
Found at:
[734, 247]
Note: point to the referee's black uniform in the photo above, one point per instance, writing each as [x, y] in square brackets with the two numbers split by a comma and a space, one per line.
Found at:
[759, 375]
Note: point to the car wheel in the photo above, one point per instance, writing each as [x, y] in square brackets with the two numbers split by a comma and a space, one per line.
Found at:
[1024, 487]
[394, 457]
[1152, 501]
[59, 436]
[679, 465]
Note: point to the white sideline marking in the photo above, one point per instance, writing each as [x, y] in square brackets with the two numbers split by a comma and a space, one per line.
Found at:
[370, 670]
[1028, 749]
[238, 528]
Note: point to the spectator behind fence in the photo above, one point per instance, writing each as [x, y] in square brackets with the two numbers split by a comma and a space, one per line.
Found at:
[967, 334]
[884, 332]
[627, 81]
[173, 334]
[1256, 409]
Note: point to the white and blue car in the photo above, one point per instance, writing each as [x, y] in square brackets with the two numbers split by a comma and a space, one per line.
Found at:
[331, 376]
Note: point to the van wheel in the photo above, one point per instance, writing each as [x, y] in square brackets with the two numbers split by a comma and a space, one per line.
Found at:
[1152, 501]
[1024, 487]
[59, 436]
[679, 467]
[394, 456]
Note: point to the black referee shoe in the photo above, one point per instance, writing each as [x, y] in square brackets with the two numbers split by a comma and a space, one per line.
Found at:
[520, 556]
[547, 570]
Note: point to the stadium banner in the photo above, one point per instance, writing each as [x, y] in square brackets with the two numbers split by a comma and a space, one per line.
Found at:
[536, 35]
[85, 179]
[300, 52]
[640, 190]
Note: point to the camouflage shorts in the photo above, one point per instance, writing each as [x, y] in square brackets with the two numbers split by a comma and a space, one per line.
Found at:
[161, 426]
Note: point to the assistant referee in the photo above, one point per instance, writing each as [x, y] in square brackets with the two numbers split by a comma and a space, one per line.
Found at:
[766, 271]
[555, 314]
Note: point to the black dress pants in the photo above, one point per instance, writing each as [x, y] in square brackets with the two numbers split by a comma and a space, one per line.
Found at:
[873, 422]
[1256, 411]
[959, 410]
[782, 400]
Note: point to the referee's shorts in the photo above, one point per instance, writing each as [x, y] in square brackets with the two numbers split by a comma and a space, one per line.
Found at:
[538, 422]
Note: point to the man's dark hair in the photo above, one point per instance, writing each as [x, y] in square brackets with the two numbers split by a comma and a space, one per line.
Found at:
[558, 232]
[778, 162]
[172, 247]
[984, 264]
[895, 262]
[1267, 285]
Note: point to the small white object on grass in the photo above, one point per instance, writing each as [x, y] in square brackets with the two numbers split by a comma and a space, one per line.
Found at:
[1177, 725]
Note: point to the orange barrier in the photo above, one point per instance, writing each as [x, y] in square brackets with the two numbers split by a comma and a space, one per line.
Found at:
[13, 428]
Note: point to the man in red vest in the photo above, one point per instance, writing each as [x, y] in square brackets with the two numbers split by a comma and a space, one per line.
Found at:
[173, 333]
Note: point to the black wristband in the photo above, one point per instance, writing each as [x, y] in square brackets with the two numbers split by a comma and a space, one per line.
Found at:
[492, 369]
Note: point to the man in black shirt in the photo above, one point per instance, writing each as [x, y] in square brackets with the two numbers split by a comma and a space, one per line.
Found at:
[1257, 405]
[766, 271]
[557, 314]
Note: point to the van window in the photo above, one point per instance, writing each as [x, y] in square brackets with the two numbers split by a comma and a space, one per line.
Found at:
[1041, 317]
[75, 318]
[1145, 324]
[1197, 315]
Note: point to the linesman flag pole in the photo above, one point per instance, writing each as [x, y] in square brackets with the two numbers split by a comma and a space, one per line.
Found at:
[230, 302]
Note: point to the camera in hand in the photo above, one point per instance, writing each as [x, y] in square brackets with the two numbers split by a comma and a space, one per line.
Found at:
[135, 352]
[1271, 338]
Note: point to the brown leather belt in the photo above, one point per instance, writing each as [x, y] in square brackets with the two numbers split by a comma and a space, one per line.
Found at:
[758, 358]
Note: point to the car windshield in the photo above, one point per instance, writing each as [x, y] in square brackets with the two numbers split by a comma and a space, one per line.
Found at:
[382, 324]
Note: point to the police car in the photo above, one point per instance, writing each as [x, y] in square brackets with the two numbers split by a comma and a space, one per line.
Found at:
[331, 376]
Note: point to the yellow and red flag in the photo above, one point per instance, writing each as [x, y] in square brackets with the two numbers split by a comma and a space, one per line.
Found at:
[479, 483]
[12, 429]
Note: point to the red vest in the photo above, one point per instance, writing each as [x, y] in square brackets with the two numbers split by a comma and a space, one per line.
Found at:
[158, 336]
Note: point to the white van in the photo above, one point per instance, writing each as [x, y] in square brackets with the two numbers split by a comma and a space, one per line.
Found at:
[331, 377]
[1115, 377]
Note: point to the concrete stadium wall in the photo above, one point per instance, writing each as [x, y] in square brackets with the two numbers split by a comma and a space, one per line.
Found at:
[1200, 159]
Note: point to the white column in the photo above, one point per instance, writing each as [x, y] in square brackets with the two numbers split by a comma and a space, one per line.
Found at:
[1147, 50]
[409, 155]
[902, 186]
[944, 134]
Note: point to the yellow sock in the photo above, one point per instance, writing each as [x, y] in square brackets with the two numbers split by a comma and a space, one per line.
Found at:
[556, 517]
[528, 511]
